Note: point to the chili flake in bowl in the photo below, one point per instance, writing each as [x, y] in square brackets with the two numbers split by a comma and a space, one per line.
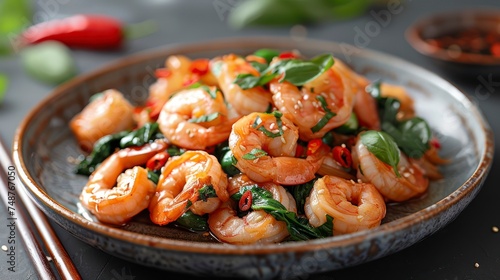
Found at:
[465, 42]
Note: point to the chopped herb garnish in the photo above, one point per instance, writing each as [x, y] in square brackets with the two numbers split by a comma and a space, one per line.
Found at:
[206, 192]
[205, 118]
[255, 153]
[326, 118]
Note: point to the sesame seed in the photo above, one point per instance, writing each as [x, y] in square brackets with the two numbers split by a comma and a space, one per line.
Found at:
[306, 97]
[285, 128]
[343, 145]
[476, 265]
[295, 107]
[256, 160]
[494, 229]
[406, 174]
[48, 258]
[243, 148]
[360, 181]
[283, 140]
[322, 191]
[271, 126]
[300, 104]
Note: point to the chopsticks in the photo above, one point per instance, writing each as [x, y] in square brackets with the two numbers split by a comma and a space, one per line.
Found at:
[23, 208]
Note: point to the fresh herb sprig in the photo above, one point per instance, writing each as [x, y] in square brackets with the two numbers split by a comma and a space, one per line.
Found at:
[295, 71]
[412, 136]
[298, 227]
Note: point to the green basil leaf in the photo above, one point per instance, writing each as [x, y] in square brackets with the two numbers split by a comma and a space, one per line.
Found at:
[193, 222]
[247, 81]
[267, 54]
[140, 136]
[412, 136]
[300, 193]
[102, 149]
[154, 176]
[261, 67]
[389, 108]
[374, 89]
[324, 61]
[211, 92]
[383, 146]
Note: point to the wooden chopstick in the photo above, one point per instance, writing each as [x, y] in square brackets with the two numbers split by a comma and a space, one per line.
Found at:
[25, 208]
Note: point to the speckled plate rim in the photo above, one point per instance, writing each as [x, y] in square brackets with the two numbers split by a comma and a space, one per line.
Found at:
[412, 220]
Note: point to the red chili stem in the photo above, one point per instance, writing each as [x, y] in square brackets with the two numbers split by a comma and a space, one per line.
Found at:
[245, 201]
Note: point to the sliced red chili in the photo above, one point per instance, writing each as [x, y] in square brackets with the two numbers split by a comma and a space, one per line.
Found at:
[287, 55]
[191, 80]
[313, 146]
[157, 161]
[162, 73]
[300, 151]
[199, 66]
[435, 143]
[342, 155]
[245, 201]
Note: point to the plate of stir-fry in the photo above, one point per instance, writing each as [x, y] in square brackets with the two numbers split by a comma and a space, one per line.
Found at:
[235, 152]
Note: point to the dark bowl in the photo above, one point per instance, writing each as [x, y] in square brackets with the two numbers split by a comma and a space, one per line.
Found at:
[432, 36]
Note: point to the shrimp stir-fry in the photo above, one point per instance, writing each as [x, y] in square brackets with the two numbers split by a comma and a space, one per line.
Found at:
[264, 148]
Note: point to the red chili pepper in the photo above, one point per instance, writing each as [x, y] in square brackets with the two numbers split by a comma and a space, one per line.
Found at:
[342, 155]
[300, 151]
[157, 161]
[435, 143]
[162, 73]
[191, 80]
[313, 146]
[287, 55]
[245, 201]
[90, 31]
[199, 66]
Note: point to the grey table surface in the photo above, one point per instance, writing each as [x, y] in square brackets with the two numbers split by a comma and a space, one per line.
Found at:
[450, 253]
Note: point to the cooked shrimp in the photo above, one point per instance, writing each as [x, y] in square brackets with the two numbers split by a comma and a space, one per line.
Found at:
[244, 101]
[264, 146]
[411, 183]
[180, 72]
[179, 184]
[257, 226]
[108, 113]
[114, 197]
[194, 119]
[307, 111]
[353, 206]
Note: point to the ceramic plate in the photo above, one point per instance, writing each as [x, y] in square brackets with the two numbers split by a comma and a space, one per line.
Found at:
[44, 144]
